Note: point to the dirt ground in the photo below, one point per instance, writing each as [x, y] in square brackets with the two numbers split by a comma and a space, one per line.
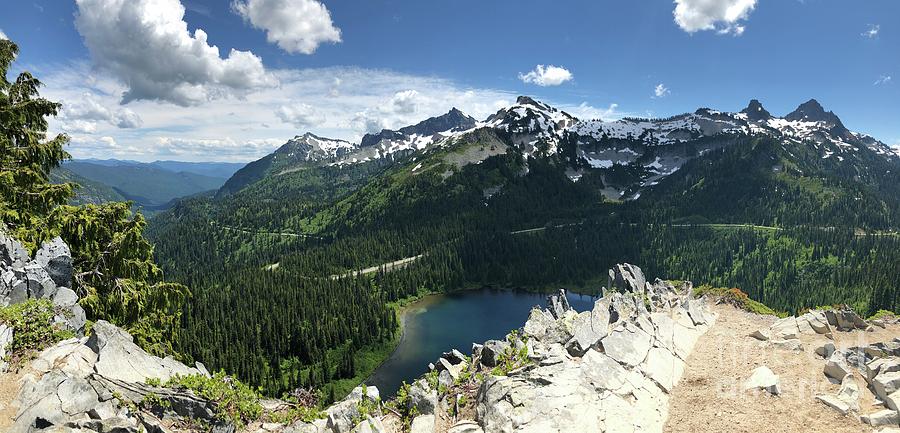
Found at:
[709, 396]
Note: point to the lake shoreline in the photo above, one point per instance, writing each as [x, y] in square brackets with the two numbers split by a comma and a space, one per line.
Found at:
[478, 314]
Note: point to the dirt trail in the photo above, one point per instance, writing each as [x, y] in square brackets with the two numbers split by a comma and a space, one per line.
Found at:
[709, 396]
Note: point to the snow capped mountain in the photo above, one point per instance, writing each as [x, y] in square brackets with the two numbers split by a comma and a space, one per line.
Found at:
[534, 125]
[310, 147]
[388, 142]
[638, 153]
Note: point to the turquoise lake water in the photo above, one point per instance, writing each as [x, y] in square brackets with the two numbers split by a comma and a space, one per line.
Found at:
[436, 324]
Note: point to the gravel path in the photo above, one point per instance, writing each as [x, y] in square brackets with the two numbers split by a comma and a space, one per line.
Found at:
[709, 396]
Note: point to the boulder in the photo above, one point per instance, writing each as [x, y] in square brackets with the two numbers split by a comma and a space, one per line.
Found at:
[422, 397]
[695, 311]
[491, 351]
[12, 253]
[825, 350]
[792, 345]
[627, 277]
[785, 329]
[558, 304]
[454, 357]
[761, 335]
[847, 399]
[369, 425]
[836, 367]
[589, 328]
[422, 424]
[885, 417]
[892, 401]
[119, 358]
[77, 396]
[886, 383]
[54, 256]
[341, 416]
[817, 321]
[845, 319]
[763, 378]
[835, 403]
[882, 365]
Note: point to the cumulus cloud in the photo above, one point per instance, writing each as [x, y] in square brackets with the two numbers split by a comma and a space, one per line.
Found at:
[146, 44]
[82, 115]
[884, 79]
[405, 102]
[3, 35]
[300, 115]
[296, 26]
[872, 32]
[546, 76]
[723, 16]
[661, 91]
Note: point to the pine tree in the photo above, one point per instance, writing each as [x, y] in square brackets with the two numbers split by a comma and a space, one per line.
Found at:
[27, 198]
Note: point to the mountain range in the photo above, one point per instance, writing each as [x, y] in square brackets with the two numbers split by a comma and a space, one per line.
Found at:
[151, 186]
[620, 159]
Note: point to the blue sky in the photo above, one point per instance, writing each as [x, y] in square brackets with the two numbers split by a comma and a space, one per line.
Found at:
[342, 68]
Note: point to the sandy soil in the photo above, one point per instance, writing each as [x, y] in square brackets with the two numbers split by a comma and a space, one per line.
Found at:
[709, 396]
[10, 384]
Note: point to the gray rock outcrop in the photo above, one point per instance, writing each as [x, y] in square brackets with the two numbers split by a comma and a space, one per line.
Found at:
[47, 276]
[608, 369]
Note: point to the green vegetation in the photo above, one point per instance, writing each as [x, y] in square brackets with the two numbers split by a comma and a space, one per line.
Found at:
[35, 331]
[115, 276]
[514, 357]
[234, 401]
[882, 314]
[736, 298]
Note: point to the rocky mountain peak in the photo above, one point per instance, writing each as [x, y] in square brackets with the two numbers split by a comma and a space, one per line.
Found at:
[812, 111]
[756, 112]
[454, 120]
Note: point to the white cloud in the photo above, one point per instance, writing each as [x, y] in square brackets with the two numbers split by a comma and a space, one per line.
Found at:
[146, 44]
[661, 91]
[884, 79]
[588, 112]
[243, 129]
[723, 16]
[296, 26]
[3, 35]
[300, 115]
[405, 102]
[547, 76]
[246, 129]
[872, 32]
[83, 113]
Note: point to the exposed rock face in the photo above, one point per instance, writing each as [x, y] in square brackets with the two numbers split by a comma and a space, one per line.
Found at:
[47, 276]
[609, 369]
[86, 383]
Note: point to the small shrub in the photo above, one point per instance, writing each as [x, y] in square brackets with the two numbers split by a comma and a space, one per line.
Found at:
[881, 314]
[737, 298]
[33, 328]
[234, 401]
